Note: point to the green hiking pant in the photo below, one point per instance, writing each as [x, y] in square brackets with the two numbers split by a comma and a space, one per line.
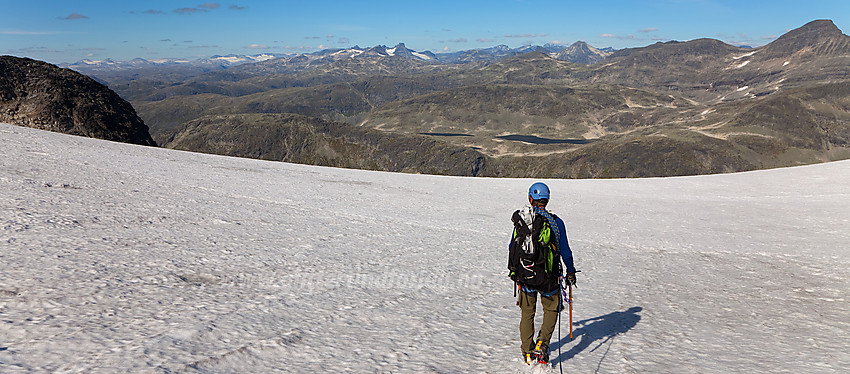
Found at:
[528, 304]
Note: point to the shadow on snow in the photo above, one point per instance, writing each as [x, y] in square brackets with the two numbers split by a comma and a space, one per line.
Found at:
[600, 330]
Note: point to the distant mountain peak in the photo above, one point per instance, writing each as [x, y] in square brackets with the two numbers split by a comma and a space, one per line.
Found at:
[821, 24]
[399, 50]
[582, 53]
[812, 31]
[819, 37]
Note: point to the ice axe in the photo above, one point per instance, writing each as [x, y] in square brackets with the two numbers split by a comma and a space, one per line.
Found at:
[570, 302]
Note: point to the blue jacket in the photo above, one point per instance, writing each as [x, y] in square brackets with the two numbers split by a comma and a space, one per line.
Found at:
[564, 246]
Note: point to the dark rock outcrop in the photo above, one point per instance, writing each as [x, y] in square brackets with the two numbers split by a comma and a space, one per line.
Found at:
[43, 96]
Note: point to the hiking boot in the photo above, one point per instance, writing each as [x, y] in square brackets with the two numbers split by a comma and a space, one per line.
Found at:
[543, 358]
[529, 359]
[541, 352]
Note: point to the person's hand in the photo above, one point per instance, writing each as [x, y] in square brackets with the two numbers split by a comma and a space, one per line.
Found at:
[571, 279]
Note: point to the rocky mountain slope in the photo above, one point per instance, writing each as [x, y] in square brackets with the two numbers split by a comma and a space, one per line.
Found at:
[43, 96]
[667, 109]
[307, 140]
[673, 108]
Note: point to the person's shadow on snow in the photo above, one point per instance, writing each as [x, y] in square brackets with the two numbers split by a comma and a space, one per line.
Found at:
[603, 329]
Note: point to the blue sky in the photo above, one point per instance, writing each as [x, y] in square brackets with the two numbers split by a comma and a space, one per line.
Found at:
[67, 31]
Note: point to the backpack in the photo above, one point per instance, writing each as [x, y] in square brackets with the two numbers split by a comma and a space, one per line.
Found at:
[532, 262]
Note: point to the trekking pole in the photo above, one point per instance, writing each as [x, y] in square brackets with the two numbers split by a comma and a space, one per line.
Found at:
[560, 359]
[560, 309]
[571, 312]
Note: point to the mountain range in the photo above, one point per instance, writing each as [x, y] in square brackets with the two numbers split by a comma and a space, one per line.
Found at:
[224, 61]
[579, 52]
[671, 108]
[90, 66]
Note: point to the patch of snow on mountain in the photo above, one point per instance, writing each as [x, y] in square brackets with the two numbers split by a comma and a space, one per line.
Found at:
[230, 59]
[422, 56]
[742, 64]
[98, 62]
[168, 60]
[263, 57]
[745, 55]
[350, 51]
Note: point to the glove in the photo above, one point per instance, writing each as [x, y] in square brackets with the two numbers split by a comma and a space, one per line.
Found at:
[571, 279]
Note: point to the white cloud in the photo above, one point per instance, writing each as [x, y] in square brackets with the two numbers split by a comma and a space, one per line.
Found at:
[526, 36]
[188, 10]
[74, 16]
[298, 48]
[34, 50]
[256, 46]
[149, 11]
[649, 29]
[205, 7]
[621, 37]
[24, 32]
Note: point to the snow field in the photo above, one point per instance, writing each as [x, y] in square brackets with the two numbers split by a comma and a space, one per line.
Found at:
[117, 257]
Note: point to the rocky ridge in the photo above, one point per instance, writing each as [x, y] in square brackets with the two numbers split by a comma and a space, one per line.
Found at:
[43, 96]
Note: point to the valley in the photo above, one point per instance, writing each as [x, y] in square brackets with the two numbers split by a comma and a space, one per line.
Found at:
[671, 108]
